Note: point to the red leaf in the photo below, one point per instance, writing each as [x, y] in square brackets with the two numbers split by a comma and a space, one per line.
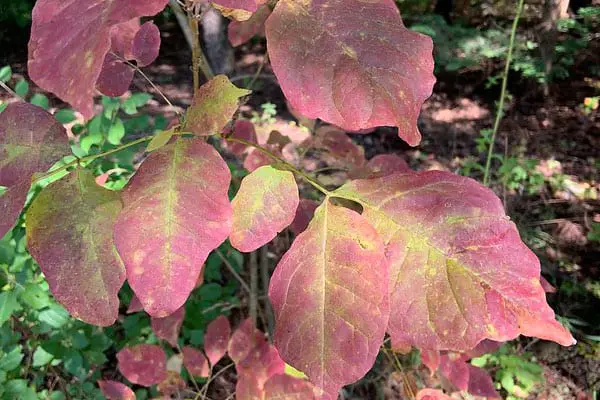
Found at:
[240, 32]
[379, 166]
[244, 339]
[69, 43]
[548, 288]
[334, 63]
[431, 359]
[264, 205]
[171, 385]
[195, 362]
[243, 129]
[115, 77]
[144, 364]
[134, 305]
[247, 5]
[114, 390]
[167, 328]
[285, 387]
[481, 383]
[262, 363]
[216, 339]
[31, 140]
[432, 394]
[329, 296]
[455, 369]
[460, 273]
[339, 149]
[304, 213]
[176, 212]
[69, 234]
[256, 158]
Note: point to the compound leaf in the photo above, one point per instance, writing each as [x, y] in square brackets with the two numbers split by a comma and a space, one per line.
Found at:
[213, 106]
[459, 272]
[264, 206]
[167, 328]
[329, 296]
[216, 339]
[69, 234]
[351, 63]
[114, 390]
[30, 141]
[143, 364]
[176, 211]
[69, 43]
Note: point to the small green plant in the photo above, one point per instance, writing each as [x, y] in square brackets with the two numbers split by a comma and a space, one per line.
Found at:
[517, 374]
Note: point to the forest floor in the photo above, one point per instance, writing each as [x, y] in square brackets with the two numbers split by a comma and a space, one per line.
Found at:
[554, 219]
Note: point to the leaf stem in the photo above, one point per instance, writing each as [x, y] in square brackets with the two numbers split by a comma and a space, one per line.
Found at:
[500, 111]
[287, 165]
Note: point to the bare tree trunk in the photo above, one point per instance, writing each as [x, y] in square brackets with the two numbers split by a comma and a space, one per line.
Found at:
[553, 11]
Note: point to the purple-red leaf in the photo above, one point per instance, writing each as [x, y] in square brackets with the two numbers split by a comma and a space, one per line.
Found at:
[216, 339]
[338, 147]
[69, 234]
[213, 106]
[242, 129]
[240, 32]
[334, 63]
[146, 44]
[329, 296]
[304, 213]
[264, 206]
[195, 362]
[144, 364]
[432, 394]
[176, 211]
[69, 43]
[481, 383]
[114, 390]
[167, 328]
[31, 140]
[459, 270]
[243, 340]
[254, 371]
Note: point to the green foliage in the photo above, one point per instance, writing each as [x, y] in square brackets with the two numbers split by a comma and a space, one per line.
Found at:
[517, 374]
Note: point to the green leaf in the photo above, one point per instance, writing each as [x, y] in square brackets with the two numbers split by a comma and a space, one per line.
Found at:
[40, 100]
[3, 106]
[210, 292]
[8, 304]
[65, 116]
[74, 363]
[35, 297]
[55, 316]
[5, 73]
[41, 357]
[140, 99]
[12, 359]
[129, 106]
[159, 140]
[116, 132]
[22, 88]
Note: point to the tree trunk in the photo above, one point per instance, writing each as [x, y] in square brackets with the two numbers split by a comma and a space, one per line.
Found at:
[553, 11]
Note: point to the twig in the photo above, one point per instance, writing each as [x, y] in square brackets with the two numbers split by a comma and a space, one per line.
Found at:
[199, 61]
[9, 90]
[500, 111]
[253, 287]
[265, 60]
[233, 271]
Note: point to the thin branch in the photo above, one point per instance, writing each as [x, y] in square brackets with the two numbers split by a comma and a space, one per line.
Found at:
[138, 70]
[265, 60]
[264, 274]
[500, 111]
[9, 90]
[199, 62]
[233, 271]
